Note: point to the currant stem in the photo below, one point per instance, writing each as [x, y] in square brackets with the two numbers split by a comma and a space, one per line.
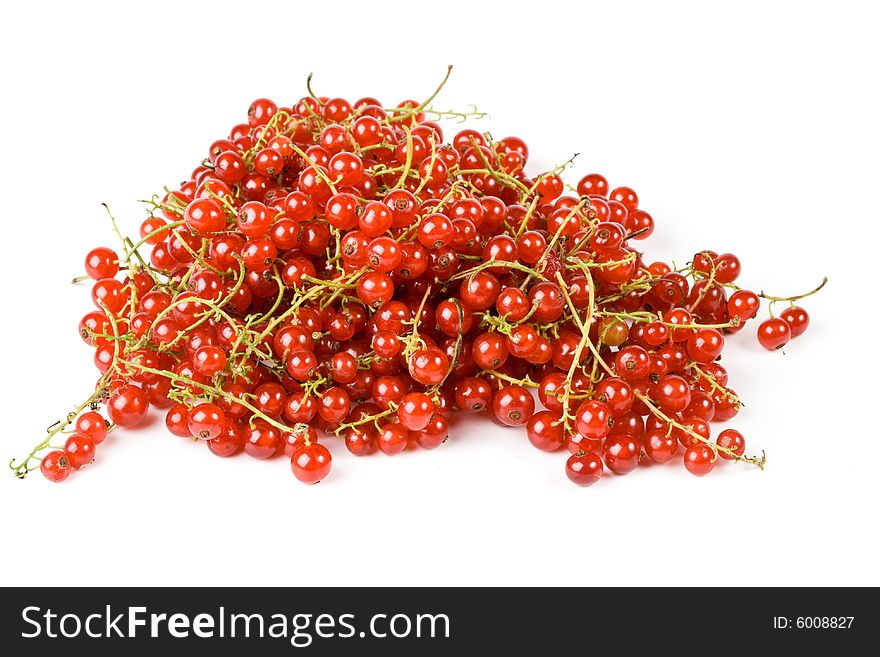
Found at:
[797, 297]
[526, 381]
[161, 229]
[556, 236]
[409, 156]
[368, 418]
[213, 390]
[22, 469]
[585, 339]
[467, 273]
[695, 367]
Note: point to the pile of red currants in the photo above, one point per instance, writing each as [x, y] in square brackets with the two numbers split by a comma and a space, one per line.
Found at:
[338, 269]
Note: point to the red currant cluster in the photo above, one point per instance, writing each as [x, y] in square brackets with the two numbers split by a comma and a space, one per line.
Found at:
[337, 269]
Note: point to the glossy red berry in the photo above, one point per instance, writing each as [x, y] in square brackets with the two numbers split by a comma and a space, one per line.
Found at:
[204, 216]
[177, 421]
[479, 292]
[55, 466]
[311, 463]
[79, 450]
[92, 424]
[616, 394]
[209, 360]
[705, 345]
[128, 406]
[699, 459]
[797, 319]
[774, 333]
[433, 435]
[513, 405]
[360, 440]
[393, 438]
[415, 411]
[301, 364]
[732, 440]
[621, 453]
[230, 441]
[110, 294]
[593, 419]
[671, 393]
[632, 363]
[545, 431]
[743, 304]
[660, 445]
[102, 262]
[206, 421]
[262, 440]
[593, 184]
[428, 366]
[473, 394]
[584, 468]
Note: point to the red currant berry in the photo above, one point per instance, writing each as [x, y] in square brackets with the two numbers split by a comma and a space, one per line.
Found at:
[774, 333]
[375, 219]
[102, 262]
[209, 360]
[513, 405]
[262, 440]
[743, 304]
[621, 453]
[671, 393]
[375, 289]
[128, 406]
[298, 207]
[302, 365]
[616, 394]
[79, 450]
[548, 301]
[699, 459]
[660, 445]
[727, 268]
[177, 421]
[489, 350]
[732, 440]
[584, 468]
[206, 421]
[55, 466]
[204, 216]
[433, 435]
[797, 319]
[473, 394]
[545, 431]
[110, 294]
[428, 366]
[92, 424]
[384, 254]
[632, 363]
[230, 441]
[260, 111]
[311, 463]
[480, 290]
[334, 405]
[415, 411]
[393, 438]
[701, 406]
[593, 419]
[705, 345]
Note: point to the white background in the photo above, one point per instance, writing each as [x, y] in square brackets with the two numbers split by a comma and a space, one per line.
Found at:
[751, 129]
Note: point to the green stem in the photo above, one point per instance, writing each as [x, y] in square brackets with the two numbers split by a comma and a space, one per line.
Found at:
[796, 297]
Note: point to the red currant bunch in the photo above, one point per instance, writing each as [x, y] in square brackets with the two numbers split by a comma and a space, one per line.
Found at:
[344, 275]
